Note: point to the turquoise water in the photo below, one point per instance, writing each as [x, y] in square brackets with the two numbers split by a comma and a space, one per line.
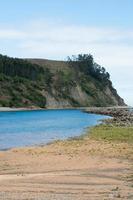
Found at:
[27, 128]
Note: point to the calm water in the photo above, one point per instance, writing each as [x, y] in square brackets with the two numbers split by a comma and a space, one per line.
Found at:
[26, 128]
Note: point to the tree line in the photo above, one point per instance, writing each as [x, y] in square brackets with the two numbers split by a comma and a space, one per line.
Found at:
[85, 63]
[15, 67]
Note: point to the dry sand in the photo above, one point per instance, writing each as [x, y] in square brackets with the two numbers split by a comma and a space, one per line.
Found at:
[6, 109]
[70, 170]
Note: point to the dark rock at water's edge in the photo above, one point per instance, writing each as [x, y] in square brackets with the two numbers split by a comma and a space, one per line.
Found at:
[121, 116]
[39, 83]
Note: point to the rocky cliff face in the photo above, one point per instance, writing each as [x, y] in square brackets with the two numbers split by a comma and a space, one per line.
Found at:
[55, 84]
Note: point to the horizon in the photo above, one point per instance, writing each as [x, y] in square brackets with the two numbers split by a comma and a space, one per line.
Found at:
[55, 30]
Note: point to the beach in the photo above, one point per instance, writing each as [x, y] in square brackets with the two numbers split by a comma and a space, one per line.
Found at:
[66, 100]
[4, 109]
[83, 168]
[75, 169]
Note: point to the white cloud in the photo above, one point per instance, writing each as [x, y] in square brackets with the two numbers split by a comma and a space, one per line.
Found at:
[11, 34]
[112, 47]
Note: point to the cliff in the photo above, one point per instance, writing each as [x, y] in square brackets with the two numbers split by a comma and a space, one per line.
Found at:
[78, 82]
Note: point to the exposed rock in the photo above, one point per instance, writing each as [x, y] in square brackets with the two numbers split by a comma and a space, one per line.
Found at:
[120, 116]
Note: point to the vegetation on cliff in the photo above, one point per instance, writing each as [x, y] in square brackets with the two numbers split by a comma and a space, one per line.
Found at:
[43, 83]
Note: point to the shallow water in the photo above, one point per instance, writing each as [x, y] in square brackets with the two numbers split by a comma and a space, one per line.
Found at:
[27, 128]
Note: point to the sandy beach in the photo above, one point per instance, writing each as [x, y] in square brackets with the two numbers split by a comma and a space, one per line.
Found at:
[66, 100]
[74, 169]
[4, 109]
[84, 168]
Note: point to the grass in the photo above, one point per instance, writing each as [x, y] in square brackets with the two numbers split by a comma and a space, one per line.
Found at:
[102, 140]
[112, 133]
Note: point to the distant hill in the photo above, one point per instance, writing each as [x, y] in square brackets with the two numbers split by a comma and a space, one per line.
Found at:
[78, 82]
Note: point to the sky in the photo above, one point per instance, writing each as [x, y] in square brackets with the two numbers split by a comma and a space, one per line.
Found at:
[55, 29]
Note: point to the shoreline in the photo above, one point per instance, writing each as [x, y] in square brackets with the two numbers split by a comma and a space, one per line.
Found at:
[74, 169]
[113, 112]
[79, 168]
[8, 109]
[120, 116]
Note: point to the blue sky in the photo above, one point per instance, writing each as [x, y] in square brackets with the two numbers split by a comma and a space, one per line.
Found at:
[55, 29]
[96, 12]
